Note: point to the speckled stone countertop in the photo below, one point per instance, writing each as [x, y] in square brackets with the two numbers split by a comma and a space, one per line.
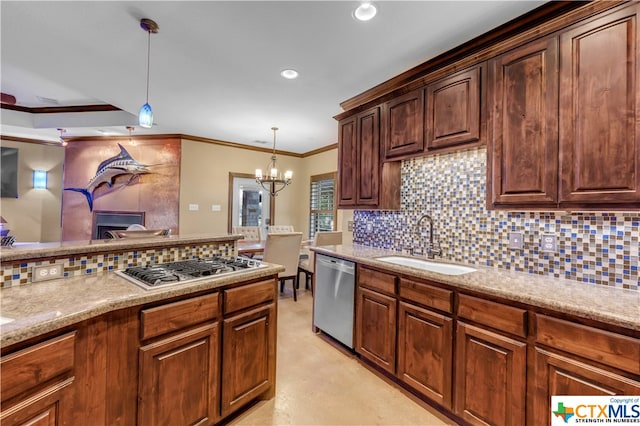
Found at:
[609, 305]
[50, 305]
[68, 248]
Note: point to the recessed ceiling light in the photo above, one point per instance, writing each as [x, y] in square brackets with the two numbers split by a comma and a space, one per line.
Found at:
[365, 12]
[289, 73]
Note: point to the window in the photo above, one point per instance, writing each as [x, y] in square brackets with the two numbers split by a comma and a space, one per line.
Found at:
[322, 206]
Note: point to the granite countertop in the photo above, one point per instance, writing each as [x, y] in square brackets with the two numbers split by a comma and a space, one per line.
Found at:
[68, 248]
[50, 305]
[602, 303]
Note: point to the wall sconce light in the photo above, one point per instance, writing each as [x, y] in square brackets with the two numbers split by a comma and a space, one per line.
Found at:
[40, 179]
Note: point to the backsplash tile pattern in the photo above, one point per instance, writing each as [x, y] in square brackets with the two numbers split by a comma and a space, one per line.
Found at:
[596, 248]
[21, 273]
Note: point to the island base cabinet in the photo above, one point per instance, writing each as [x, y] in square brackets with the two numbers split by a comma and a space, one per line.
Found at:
[248, 357]
[179, 379]
[559, 375]
[425, 352]
[490, 377]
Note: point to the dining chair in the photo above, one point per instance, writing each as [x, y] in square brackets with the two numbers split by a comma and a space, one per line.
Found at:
[277, 229]
[284, 249]
[307, 265]
[251, 233]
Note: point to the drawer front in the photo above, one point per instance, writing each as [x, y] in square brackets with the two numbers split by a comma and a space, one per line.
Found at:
[178, 315]
[492, 314]
[375, 280]
[249, 295]
[426, 295]
[32, 366]
[592, 343]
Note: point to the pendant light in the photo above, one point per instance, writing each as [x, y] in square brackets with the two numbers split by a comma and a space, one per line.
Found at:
[62, 141]
[145, 118]
[131, 141]
[273, 182]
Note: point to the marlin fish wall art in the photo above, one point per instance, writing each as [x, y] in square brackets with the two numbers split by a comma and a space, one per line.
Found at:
[108, 170]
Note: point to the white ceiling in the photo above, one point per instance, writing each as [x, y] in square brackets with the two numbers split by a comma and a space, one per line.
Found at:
[215, 65]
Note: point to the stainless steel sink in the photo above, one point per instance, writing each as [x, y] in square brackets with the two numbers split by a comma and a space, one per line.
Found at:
[427, 265]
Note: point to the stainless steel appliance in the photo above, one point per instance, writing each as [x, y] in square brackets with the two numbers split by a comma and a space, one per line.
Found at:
[154, 276]
[333, 299]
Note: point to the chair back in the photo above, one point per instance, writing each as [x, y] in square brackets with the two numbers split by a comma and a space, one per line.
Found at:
[146, 233]
[327, 238]
[278, 229]
[322, 238]
[284, 249]
[251, 233]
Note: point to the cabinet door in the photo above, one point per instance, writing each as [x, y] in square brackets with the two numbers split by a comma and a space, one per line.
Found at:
[347, 161]
[51, 407]
[248, 356]
[368, 153]
[452, 115]
[559, 375]
[179, 379]
[403, 125]
[425, 352]
[599, 106]
[490, 377]
[523, 148]
[376, 328]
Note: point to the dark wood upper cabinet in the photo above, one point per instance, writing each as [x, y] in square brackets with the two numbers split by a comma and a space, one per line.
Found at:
[348, 162]
[363, 181]
[403, 125]
[523, 143]
[368, 156]
[599, 104]
[453, 111]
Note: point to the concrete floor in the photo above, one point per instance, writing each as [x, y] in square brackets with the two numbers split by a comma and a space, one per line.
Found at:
[318, 384]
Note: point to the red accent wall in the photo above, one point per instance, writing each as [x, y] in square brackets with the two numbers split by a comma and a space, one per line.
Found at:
[157, 193]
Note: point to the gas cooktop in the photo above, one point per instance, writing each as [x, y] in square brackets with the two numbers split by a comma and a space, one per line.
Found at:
[185, 271]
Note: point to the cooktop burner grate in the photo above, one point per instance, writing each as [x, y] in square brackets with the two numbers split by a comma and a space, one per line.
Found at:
[153, 276]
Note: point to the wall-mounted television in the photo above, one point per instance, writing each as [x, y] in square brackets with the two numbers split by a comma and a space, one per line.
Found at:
[9, 172]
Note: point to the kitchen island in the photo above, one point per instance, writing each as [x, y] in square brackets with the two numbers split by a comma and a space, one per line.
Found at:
[96, 346]
[492, 346]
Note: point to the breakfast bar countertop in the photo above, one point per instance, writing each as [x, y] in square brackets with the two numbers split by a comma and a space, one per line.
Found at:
[35, 309]
[68, 248]
[606, 304]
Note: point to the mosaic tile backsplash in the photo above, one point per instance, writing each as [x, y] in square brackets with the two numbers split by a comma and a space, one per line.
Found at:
[596, 248]
[21, 273]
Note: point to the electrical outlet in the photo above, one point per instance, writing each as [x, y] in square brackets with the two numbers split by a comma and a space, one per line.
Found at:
[46, 272]
[515, 240]
[369, 227]
[350, 225]
[548, 243]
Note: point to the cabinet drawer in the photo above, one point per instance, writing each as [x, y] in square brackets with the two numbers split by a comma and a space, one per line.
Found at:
[426, 295]
[249, 295]
[606, 347]
[375, 280]
[175, 316]
[495, 315]
[32, 366]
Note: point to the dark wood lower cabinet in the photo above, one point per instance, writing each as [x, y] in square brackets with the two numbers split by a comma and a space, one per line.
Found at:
[490, 377]
[556, 374]
[50, 407]
[179, 379]
[248, 356]
[425, 352]
[376, 328]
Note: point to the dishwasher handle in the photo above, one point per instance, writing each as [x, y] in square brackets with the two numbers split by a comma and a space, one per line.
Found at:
[336, 264]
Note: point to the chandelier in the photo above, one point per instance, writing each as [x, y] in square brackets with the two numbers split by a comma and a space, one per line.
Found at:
[273, 181]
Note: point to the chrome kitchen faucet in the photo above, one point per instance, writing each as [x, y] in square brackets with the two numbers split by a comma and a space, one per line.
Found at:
[433, 249]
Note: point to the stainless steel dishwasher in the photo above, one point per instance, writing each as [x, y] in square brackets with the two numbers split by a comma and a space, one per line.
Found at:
[333, 299]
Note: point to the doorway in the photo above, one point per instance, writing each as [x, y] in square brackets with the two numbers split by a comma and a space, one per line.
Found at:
[251, 204]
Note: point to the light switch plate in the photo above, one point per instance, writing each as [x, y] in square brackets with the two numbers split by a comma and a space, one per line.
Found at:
[216, 208]
[548, 243]
[193, 207]
[515, 240]
[47, 272]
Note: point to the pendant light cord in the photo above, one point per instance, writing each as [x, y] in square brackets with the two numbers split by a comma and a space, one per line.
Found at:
[148, 61]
